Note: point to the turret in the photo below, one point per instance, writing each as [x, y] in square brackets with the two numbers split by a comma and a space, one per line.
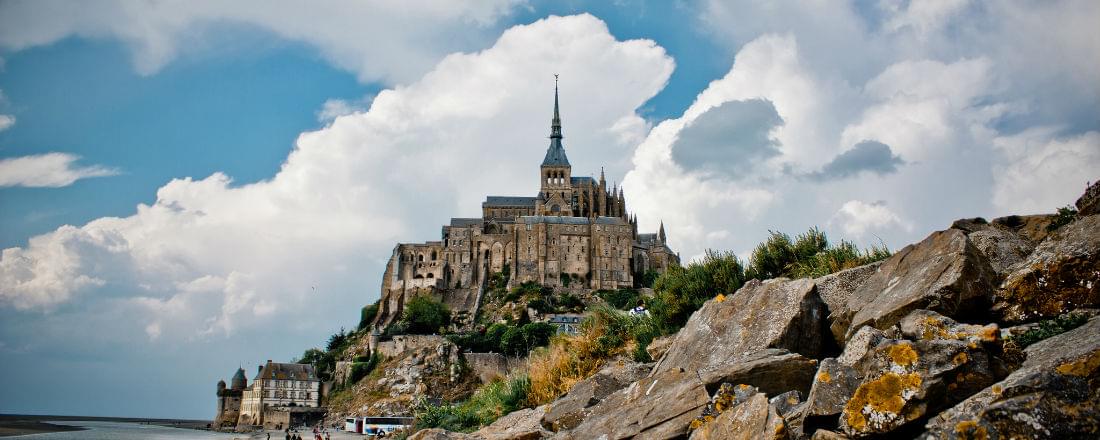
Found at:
[239, 382]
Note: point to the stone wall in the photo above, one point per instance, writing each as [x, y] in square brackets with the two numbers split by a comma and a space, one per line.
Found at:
[489, 366]
[402, 343]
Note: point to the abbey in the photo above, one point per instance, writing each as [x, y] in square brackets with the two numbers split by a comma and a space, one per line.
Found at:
[576, 233]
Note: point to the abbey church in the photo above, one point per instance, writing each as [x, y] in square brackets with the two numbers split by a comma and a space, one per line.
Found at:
[576, 233]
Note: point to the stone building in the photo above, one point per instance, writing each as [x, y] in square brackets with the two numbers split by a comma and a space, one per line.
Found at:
[278, 388]
[576, 233]
[229, 400]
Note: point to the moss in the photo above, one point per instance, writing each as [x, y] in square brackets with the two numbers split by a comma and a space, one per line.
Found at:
[902, 354]
[1082, 367]
[880, 400]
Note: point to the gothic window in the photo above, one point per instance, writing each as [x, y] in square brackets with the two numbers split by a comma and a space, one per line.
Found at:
[433, 255]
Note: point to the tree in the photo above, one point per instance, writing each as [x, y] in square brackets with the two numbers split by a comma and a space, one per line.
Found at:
[367, 315]
[424, 315]
[513, 343]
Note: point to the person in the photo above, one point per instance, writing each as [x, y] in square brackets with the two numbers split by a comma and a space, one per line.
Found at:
[269, 436]
[288, 434]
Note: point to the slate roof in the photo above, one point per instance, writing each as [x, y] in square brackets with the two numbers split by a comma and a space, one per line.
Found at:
[508, 201]
[555, 155]
[461, 222]
[560, 220]
[275, 370]
[584, 180]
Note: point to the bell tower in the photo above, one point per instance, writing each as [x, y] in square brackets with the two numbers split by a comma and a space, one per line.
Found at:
[556, 188]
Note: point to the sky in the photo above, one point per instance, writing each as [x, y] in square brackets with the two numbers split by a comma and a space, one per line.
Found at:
[189, 187]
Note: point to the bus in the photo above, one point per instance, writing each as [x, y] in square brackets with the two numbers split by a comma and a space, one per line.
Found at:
[377, 426]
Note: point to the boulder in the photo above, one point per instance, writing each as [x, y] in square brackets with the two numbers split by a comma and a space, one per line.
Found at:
[754, 419]
[1055, 394]
[1002, 247]
[727, 396]
[786, 403]
[859, 345]
[1089, 203]
[1032, 228]
[1062, 274]
[569, 410]
[659, 406]
[944, 273]
[658, 347]
[524, 424]
[440, 434]
[906, 381]
[833, 385]
[777, 313]
[926, 324]
[835, 288]
[822, 434]
[773, 371]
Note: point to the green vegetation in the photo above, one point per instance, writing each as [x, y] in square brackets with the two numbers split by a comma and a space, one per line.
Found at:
[362, 366]
[425, 315]
[808, 255]
[1065, 215]
[622, 299]
[513, 340]
[367, 315]
[489, 403]
[648, 278]
[1048, 328]
[324, 361]
[683, 290]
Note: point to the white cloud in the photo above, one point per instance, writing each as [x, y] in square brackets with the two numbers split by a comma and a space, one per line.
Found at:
[857, 218]
[6, 121]
[52, 170]
[234, 258]
[378, 39]
[1040, 170]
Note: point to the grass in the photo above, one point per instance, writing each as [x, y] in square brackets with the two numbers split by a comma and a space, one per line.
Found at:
[488, 403]
[1049, 328]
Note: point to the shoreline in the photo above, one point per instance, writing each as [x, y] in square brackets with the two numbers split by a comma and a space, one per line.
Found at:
[12, 425]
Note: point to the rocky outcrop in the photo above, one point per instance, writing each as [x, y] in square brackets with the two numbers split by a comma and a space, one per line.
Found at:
[1089, 203]
[944, 273]
[751, 420]
[777, 313]
[569, 410]
[1054, 395]
[772, 371]
[1062, 274]
[835, 289]
[833, 385]
[657, 407]
[524, 424]
[1000, 245]
[927, 325]
[904, 381]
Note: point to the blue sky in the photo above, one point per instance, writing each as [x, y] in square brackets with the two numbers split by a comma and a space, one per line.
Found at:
[227, 180]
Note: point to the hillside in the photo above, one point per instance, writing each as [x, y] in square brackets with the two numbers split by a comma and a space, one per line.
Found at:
[987, 329]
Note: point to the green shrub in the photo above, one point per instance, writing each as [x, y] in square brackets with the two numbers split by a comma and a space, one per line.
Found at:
[538, 334]
[540, 305]
[569, 302]
[359, 370]
[487, 404]
[809, 255]
[622, 299]
[512, 342]
[648, 278]
[683, 290]
[367, 314]
[1048, 328]
[1064, 216]
[425, 315]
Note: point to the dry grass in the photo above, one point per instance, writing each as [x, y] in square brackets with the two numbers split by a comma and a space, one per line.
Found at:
[570, 359]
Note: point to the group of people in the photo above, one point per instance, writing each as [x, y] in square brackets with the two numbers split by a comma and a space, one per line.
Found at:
[318, 434]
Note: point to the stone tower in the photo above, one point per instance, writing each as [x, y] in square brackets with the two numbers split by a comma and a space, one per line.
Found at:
[556, 189]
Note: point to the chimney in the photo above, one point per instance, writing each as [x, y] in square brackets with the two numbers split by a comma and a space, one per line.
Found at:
[259, 368]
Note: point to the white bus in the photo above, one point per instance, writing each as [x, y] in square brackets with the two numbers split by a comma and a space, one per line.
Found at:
[377, 426]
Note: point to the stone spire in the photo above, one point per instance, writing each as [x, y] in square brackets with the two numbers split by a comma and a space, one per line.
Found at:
[661, 232]
[555, 154]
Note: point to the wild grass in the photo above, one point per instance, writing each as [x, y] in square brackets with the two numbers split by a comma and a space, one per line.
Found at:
[488, 403]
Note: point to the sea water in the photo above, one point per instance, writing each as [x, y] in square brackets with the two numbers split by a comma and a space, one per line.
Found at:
[129, 431]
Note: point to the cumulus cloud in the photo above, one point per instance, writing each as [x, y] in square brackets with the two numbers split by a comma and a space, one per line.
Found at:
[233, 258]
[6, 121]
[857, 218]
[1040, 170]
[52, 170]
[377, 40]
[870, 156]
[729, 139]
